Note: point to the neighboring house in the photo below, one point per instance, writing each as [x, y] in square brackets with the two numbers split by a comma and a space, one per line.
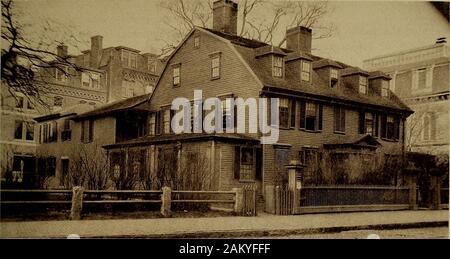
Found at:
[334, 118]
[72, 131]
[106, 75]
[420, 77]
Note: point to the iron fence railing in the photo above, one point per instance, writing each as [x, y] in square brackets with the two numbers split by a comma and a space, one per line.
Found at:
[353, 195]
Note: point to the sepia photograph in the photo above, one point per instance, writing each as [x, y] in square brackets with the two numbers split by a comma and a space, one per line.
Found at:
[224, 125]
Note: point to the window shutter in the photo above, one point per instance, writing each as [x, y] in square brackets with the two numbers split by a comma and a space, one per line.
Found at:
[259, 159]
[83, 126]
[396, 127]
[375, 127]
[361, 122]
[320, 116]
[292, 112]
[158, 122]
[336, 118]
[383, 125]
[302, 114]
[237, 162]
[91, 130]
[342, 119]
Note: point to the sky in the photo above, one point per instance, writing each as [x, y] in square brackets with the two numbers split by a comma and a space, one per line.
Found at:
[364, 29]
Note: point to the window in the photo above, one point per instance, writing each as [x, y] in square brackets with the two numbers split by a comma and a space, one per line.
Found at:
[49, 132]
[125, 58]
[390, 127]
[176, 75]
[306, 71]
[29, 131]
[277, 69]
[385, 88]
[166, 120]
[151, 124]
[368, 122]
[85, 79]
[18, 130]
[66, 134]
[19, 101]
[362, 85]
[422, 78]
[244, 160]
[197, 42]
[151, 65]
[133, 60]
[215, 67]
[30, 105]
[95, 78]
[284, 113]
[339, 119]
[61, 74]
[87, 131]
[333, 77]
[57, 101]
[292, 113]
[24, 130]
[227, 110]
[334, 73]
[429, 127]
[311, 116]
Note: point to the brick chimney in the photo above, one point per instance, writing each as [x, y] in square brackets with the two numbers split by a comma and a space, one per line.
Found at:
[96, 51]
[61, 50]
[225, 13]
[299, 39]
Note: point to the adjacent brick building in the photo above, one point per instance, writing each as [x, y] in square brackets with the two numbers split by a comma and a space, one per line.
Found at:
[420, 77]
[107, 75]
[339, 120]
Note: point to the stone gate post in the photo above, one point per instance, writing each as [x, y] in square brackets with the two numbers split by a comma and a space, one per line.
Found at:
[295, 170]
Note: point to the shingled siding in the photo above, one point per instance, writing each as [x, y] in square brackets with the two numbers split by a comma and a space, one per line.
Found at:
[195, 73]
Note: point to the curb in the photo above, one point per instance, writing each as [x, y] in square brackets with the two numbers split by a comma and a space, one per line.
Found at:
[282, 232]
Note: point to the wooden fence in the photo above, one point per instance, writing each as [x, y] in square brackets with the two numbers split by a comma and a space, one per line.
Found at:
[243, 199]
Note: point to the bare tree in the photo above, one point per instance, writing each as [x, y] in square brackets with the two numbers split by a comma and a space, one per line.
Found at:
[89, 168]
[260, 20]
[27, 61]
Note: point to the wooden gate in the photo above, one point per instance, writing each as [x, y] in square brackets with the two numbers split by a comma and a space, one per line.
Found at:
[249, 206]
[284, 201]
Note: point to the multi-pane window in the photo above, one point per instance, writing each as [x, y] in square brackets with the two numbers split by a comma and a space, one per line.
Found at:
[125, 58]
[85, 79]
[277, 68]
[197, 41]
[363, 85]
[215, 67]
[244, 163]
[24, 130]
[166, 121]
[152, 124]
[284, 113]
[334, 73]
[91, 80]
[176, 75]
[306, 71]
[66, 134]
[429, 127]
[390, 127]
[339, 119]
[61, 74]
[369, 123]
[422, 78]
[151, 65]
[49, 132]
[227, 111]
[133, 60]
[385, 88]
[311, 116]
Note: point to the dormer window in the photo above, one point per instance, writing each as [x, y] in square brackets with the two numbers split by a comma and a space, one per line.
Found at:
[385, 88]
[277, 69]
[176, 74]
[334, 73]
[306, 71]
[197, 42]
[362, 85]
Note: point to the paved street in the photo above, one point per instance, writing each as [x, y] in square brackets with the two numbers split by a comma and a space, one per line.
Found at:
[263, 225]
[412, 233]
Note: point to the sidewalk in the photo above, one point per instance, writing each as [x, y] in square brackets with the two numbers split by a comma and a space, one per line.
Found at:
[263, 225]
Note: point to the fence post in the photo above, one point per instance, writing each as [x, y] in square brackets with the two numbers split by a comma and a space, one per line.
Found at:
[435, 188]
[77, 203]
[411, 174]
[270, 199]
[239, 200]
[295, 183]
[166, 200]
